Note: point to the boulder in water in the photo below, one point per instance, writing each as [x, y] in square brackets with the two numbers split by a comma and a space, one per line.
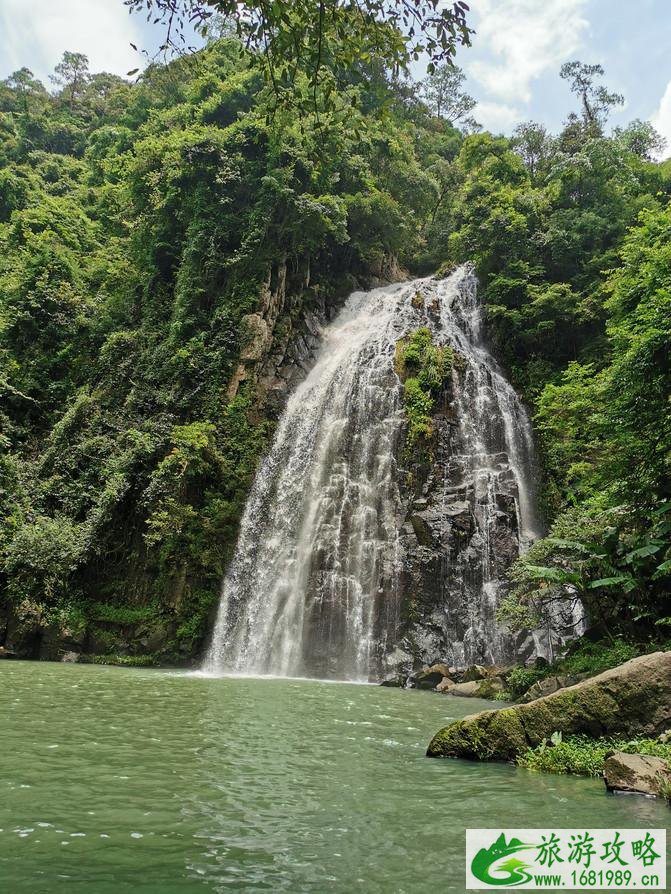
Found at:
[633, 699]
[636, 773]
[440, 668]
[487, 688]
[398, 681]
[429, 677]
[491, 687]
[468, 689]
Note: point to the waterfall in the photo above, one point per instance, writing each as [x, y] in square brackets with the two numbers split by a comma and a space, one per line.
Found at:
[316, 585]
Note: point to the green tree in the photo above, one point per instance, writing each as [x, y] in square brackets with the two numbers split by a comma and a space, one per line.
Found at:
[442, 91]
[536, 147]
[322, 39]
[596, 101]
[641, 138]
[72, 75]
[22, 91]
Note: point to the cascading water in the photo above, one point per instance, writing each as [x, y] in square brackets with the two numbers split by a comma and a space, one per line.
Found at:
[320, 574]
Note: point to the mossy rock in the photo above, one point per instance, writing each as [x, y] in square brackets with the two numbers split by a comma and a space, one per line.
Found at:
[631, 700]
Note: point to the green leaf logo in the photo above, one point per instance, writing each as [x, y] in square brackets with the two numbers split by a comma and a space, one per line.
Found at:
[512, 872]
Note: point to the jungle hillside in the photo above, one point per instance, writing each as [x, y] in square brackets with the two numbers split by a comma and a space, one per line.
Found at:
[144, 220]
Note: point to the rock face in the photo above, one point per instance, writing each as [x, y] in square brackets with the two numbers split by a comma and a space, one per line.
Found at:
[632, 699]
[443, 542]
[640, 773]
[469, 498]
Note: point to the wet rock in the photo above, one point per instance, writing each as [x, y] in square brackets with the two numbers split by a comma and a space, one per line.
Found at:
[445, 685]
[475, 672]
[465, 690]
[459, 507]
[312, 324]
[440, 668]
[482, 688]
[397, 682]
[640, 773]
[491, 687]
[633, 699]
[426, 527]
[70, 657]
[426, 679]
[7, 653]
[400, 661]
[506, 503]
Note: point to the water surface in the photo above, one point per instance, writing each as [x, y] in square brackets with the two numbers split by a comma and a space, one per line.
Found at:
[117, 780]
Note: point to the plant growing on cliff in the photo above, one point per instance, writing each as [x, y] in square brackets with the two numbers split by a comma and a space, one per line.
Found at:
[423, 369]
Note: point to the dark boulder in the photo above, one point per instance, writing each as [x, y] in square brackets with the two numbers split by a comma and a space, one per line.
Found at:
[397, 682]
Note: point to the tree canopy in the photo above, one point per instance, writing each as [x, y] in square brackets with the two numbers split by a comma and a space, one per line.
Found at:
[321, 41]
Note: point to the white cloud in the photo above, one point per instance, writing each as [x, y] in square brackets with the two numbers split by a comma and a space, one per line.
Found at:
[661, 120]
[526, 39]
[35, 33]
[497, 116]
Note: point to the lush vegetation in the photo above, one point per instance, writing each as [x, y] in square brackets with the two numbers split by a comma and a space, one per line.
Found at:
[571, 238]
[318, 42]
[582, 657]
[140, 224]
[423, 368]
[584, 756]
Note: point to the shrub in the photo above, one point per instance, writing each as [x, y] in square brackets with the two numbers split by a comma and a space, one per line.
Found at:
[41, 558]
[122, 614]
[423, 368]
[521, 678]
[593, 658]
[582, 756]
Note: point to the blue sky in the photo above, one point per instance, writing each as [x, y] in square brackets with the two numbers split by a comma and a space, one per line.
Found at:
[512, 66]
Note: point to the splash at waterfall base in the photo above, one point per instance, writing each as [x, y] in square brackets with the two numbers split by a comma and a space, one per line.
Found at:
[359, 556]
